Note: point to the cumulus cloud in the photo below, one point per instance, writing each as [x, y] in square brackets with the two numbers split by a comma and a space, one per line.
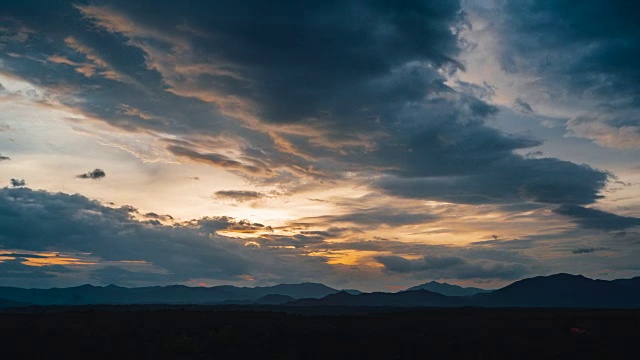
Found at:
[94, 174]
[38, 221]
[18, 182]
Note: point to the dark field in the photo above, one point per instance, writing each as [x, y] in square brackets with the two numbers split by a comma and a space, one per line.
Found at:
[272, 333]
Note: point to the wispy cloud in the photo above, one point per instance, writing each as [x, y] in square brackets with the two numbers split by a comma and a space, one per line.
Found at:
[239, 195]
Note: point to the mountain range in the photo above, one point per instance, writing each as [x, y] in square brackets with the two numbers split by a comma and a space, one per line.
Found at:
[173, 294]
[448, 289]
[559, 290]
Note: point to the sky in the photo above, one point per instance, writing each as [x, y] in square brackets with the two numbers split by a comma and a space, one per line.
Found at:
[362, 144]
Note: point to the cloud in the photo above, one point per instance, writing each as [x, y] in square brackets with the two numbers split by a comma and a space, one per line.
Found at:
[522, 106]
[588, 250]
[18, 182]
[375, 217]
[25, 256]
[589, 218]
[512, 179]
[402, 265]
[36, 221]
[255, 72]
[4, 158]
[314, 100]
[94, 174]
[245, 226]
[454, 267]
[16, 269]
[165, 217]
[297, 241]
[589, 68]
[506, 244]
[219, 160]
[239, 195]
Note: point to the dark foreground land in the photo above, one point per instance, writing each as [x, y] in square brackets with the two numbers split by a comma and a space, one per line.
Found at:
[275, 333]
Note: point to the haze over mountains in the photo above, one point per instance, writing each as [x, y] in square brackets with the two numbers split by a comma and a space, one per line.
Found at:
[560, 290]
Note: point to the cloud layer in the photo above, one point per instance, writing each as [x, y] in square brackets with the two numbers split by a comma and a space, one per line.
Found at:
[39, 221]
[353, 106]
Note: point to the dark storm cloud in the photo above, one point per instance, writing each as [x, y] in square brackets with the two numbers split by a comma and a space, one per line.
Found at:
[42, 221]
[18, 182]
[333, 87]
[454, 267]
[551, 28]
[512, 179]
[239, 195]
[583, 49]
[94, 174]
[295, 61]
[597, 219]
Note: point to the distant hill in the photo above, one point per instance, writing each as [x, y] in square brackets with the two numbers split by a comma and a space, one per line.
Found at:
[274, 299]
[560, 290]
[633, 283]
[448, 289]
[8, 303]
[174, 294]
[415, 298]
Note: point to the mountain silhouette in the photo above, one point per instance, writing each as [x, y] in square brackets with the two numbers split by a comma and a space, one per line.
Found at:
[560, 290]
[416, 298]
[274, 299]
[173, 294]
[633, 283]
[8, 303]
[448, 289]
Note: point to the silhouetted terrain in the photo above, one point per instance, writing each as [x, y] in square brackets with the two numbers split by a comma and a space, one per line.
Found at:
[560, 290]
[175, 294]
[8, 303]
[195, 333]
[415, 298]
[448, 289]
